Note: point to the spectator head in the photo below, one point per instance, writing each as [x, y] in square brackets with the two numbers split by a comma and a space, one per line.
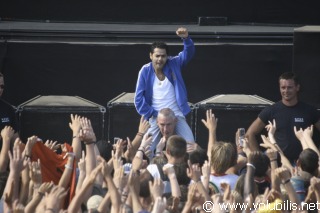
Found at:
[223, 156]
[263, 163]
[94, 202]
[198, 156]
[309, 161]
[166, 121]
[176, 146]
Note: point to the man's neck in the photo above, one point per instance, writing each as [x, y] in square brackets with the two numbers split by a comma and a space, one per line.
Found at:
[289, 103]
[174, 160]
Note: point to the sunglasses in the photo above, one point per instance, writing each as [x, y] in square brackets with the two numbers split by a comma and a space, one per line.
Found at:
[1, 86]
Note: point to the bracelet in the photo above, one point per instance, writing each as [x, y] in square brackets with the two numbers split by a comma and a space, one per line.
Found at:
[250, 164]
[285, 182]
[41, 193]
[141, 150]
[140, 134]
[75, 136]
[68, 167]
[273, 160]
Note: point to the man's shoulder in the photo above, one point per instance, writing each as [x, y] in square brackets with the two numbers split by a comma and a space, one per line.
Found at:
[146, 66]
[274, 106]
[6, 105]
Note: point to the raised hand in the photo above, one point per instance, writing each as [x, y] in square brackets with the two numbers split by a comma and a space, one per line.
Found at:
[143, 125]
[182, 32]
[75, 124]
[86, 133]
[52, 145]
[35, 172]
[156, 188]
[29, 145]
[271, 127]
[211, 121]
[7, 133]
[194, 172]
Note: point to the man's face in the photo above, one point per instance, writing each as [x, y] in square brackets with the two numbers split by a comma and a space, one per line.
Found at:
[158, 58]
[1, 85]
[288, 89]
[166, 125]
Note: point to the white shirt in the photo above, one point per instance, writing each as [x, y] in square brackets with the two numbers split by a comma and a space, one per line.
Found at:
[164, 96]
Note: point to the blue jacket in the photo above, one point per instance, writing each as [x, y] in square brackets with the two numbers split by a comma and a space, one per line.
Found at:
[172, 70]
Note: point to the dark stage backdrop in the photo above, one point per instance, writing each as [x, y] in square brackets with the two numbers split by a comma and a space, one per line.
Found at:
[101, 72]
[248, 11]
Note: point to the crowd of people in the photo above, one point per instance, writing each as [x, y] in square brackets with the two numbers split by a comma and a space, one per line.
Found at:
[163, 169]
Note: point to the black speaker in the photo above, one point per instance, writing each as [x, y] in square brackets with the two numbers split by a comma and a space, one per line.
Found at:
[232, 110]
[306, 63]
[48, 117]
[123, 120]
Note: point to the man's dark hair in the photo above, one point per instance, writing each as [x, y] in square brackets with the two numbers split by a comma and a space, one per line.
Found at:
[290, 76]
[160, 45]
[198, 156]
[309, 161]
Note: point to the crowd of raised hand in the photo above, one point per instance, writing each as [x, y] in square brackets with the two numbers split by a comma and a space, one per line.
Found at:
[38, 176]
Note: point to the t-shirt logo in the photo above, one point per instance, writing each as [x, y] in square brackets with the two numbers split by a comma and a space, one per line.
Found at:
[5, 120]
[298, 120]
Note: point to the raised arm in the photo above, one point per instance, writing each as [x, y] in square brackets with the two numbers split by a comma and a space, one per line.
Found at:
[255, 129]
[17, 164]
[189, 49]
[7, 134]
[75, 126]
[211, 124]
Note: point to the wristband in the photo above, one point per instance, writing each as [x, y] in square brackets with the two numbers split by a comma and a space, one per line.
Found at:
[285, 182]
[68, 167]
[251, 165]
[273, 160]
[41, 193]
[141, 150]
[75, 136]
[140, 134]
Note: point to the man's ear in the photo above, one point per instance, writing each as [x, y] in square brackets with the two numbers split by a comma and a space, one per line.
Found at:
[298, 163]
[167, 152]
[298, 87]
[150, 55]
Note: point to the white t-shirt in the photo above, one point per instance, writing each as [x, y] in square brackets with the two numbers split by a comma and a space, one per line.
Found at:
[153, 170]
[164, 96]
[230, 179]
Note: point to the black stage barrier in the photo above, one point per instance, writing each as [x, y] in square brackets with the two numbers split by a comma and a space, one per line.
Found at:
[232, 110]
[123, 120]
[306, 63]
[48, 117]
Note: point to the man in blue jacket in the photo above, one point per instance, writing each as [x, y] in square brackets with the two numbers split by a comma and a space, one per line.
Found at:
[160, 85]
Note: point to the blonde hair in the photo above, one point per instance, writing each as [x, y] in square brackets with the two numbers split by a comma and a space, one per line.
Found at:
[223, 156]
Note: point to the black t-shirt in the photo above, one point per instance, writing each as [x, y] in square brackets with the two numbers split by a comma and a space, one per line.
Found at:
[7, 117]
[301, 115]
